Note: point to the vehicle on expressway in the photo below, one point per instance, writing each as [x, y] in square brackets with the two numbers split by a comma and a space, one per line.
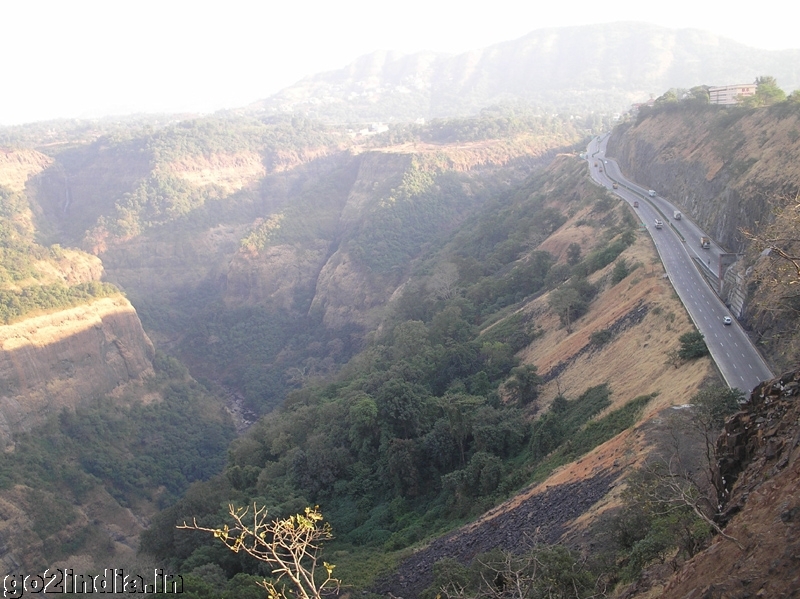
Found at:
[677, 215]
[636, 203]
[652, 193]
[727, 320]
[615, 185]
[705, 243]
[659, 224]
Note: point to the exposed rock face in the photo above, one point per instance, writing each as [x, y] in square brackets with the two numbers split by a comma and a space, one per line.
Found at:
[277, 276]
[16, 166]
[311, 266]
[231, 172]
[731, 170]
[57, 360]
[764, 433]
[724, 169]
[760, 447]
[346, 293]
[145, 267]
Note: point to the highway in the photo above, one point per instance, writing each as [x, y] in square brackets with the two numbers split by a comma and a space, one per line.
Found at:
[740, 363]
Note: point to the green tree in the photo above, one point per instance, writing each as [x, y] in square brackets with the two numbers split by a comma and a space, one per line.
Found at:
[699, 94]
[524, 384]
[620, 271]
[767, 93]
[573, 254]
[400, 405]
[693, 346]
[460, 411]
[668, 97]
[569, 305]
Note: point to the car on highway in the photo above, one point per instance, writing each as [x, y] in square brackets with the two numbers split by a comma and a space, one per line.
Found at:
[727, 320]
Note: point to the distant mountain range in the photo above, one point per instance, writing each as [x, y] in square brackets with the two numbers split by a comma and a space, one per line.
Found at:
[601, 68]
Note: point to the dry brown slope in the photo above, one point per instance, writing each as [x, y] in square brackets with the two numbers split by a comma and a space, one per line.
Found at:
[762, 445]
[59, 360]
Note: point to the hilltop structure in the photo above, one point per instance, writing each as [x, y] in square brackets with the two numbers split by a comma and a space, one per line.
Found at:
[729, 95]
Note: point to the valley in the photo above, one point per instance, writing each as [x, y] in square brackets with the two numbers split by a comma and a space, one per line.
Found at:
[455, 338]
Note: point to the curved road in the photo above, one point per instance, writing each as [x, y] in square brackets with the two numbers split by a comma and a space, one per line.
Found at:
[738, 360]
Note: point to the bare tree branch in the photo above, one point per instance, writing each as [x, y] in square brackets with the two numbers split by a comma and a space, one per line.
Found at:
[290, 547]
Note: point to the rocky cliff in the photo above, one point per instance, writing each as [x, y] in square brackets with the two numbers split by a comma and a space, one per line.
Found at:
[735, 172]
[61, 359]
[54, 358]
[727, 168]
[759, 451]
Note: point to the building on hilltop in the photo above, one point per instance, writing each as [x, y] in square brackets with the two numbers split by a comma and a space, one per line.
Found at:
[730, 94]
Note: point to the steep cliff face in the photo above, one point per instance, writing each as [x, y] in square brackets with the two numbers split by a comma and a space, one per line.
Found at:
[59, 360]
[287, 260]
[17, 166]
[760, 451]
[732, 170]
[84, 182]
[726, 168]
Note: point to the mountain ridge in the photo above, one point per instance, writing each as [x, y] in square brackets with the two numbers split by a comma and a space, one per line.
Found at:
[571, 69]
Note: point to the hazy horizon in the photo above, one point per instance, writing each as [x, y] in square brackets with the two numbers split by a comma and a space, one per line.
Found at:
[90, 59]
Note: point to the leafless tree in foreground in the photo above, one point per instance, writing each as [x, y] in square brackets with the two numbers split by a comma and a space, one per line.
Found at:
[291, 548]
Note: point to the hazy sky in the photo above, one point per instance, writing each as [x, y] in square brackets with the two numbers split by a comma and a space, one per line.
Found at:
[84, 58]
